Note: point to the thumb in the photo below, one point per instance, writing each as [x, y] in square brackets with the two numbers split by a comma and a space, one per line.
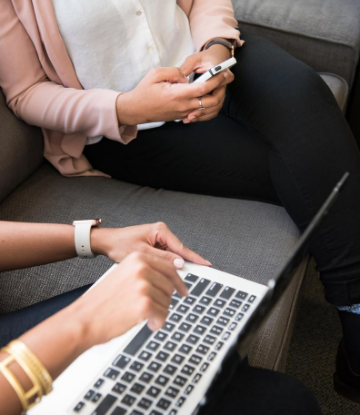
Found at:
[191, 63]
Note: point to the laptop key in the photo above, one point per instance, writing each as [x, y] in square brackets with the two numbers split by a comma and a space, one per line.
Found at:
[178, 359]
[98, 383]
[180, 381]
[195, 359]
[169, 327]
[111, 374]
[252, 298]
[153, 346]
[192, 339]
[89, 395]
[183, 309]
[245, 308]
[135, 412]
[200, 287]
[160, 336]
[177, 336]
[96, 397]
[204, 367]
[153, 412]
[209, 339]
[162, 356]
[119, 411]
[232, 326]
[239, 316]
[206, 320]
[180, 402]
[79, 406]
[146, 377]
[134, 346]
[145, 356]
[235, 304]
[202, 349]
[211, 356]
[128, 400]
[175, 317]
[163, 404]
[223, 321]
[241, 295]
[154, 366]
[119, 388]
[121, 361]
[189, 389]
[219, 303]
[128, 377]
[205, 300]
[105, 405]
[199, 309]
[229, 312]
[185, 327]
[188, 370]
[218, 346]
[153, 391]
[192, 318]
[173, 303]
[172, 392]
[170, 369]
[213, 311]
[227, 293]
[197, 378]
[137, 388]
[191, 278]
[226, 335]
[136, 366]
[200, 329]
[145, 403]
[185, 349]
[190, 300]
[217, 330]
[162, 380]
[170, 346]
[173, 412]
[214, 289]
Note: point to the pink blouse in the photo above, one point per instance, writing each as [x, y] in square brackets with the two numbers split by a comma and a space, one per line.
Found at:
[41, 86]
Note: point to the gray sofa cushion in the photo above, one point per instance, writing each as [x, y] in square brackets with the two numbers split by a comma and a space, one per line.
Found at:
[245, 238]
[21, 149]
[323, 33]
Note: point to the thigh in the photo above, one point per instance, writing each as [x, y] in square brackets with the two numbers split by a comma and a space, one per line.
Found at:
[220, 157]
[14, 324]
[255, 391]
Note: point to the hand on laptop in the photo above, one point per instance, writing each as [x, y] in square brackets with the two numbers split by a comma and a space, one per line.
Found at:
[140, 288]
[153, 239]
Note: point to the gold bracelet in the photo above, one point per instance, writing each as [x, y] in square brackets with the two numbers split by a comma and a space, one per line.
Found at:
[23, 353]
[27, 399]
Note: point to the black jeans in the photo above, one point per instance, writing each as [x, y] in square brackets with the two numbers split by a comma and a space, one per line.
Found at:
[249, 391]
[280, 138]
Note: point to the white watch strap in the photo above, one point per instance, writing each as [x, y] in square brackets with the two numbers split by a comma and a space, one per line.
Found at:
[82, 238]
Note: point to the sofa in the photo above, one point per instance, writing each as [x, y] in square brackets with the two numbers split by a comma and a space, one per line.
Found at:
[246, 238]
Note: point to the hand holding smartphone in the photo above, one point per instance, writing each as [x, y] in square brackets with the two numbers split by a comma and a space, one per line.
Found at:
[216, 70]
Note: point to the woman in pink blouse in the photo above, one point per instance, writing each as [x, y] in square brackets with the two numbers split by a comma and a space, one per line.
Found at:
[268, 130]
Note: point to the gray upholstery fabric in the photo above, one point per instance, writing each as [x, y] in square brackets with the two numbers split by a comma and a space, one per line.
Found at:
[323, 33]
[21, 148]
[246, 238]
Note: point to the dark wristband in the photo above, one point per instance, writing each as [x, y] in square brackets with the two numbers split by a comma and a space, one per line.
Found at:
[224, 42]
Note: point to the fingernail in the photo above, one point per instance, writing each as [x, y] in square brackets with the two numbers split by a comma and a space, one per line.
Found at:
[153, 324]
[226, 74]
[186, 121]
[186, 292]
[192, 117]
[179, 263]
[208, 262]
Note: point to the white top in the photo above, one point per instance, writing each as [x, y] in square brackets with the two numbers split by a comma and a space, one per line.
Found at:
[113, 44]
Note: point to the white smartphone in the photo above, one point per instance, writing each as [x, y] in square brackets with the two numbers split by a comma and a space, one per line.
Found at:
[216, 69]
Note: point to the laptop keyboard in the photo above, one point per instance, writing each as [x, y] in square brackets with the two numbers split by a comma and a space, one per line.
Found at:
[156, 372]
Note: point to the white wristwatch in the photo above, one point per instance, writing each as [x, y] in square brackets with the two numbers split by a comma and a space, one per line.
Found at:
[82, 237]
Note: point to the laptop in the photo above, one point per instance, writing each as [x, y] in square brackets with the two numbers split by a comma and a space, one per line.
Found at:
[172, 370]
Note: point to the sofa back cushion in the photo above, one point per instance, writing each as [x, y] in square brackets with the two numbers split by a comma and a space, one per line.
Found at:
[21, 149]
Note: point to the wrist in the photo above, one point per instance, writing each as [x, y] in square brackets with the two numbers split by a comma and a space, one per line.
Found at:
[98, 241]
[124, 108]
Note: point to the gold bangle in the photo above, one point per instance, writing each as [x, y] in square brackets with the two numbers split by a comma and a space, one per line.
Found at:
[27, 399]
[22, 352]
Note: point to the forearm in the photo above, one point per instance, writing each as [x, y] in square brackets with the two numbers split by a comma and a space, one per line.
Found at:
[57, 342]
[25, 245]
